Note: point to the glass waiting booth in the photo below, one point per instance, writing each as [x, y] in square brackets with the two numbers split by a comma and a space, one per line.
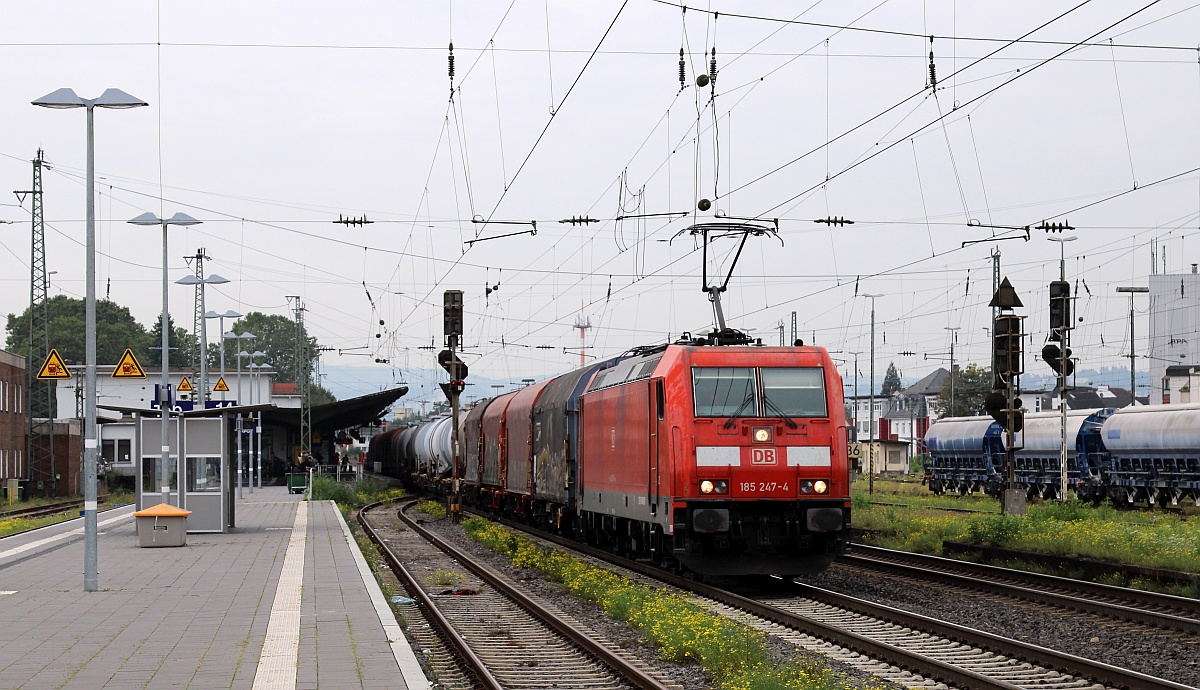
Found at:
[205, 467]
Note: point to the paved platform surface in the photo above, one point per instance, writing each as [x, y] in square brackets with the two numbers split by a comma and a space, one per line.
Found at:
[282, 601]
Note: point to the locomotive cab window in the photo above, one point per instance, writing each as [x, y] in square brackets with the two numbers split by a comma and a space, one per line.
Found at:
[724, 391]
[794, 392]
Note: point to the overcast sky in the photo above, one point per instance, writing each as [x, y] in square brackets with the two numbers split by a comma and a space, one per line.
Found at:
[269, 120]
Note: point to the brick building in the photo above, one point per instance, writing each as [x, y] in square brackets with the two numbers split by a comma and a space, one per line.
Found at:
[12, 416]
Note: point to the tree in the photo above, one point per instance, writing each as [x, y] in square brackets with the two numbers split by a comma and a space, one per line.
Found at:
[116, 329]
[971, 385]
[275, 336]
[891, 381]
[319, 395]
[180, 341]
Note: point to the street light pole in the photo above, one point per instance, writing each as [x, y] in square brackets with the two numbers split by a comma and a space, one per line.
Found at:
[116, 99]
[259, 422]
[164, 407]
[230, 314]
[871, 413]
[213, 279]
[1131, 289]
[240, 456]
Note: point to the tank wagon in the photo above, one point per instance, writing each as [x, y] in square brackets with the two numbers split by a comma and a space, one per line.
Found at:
[719, 460]
[1148, 453]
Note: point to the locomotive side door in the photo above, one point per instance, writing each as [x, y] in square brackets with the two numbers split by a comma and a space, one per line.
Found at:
[654, 425]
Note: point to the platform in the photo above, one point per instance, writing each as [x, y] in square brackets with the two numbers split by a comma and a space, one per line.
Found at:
[285, 600]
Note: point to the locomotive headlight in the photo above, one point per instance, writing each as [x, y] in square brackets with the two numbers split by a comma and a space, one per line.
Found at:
[806, 487]
[820, 486]
[706, 487]
[721, 486]
[762, 434]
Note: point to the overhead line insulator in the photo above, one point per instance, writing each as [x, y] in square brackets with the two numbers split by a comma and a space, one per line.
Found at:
[834, 220]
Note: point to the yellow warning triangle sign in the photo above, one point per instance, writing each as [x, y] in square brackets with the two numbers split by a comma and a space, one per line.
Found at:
[184, 386]
[53, 368]
[221, 386]
[128, 367]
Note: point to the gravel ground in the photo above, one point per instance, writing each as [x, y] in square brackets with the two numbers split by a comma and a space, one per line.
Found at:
[1165, 654]
[690, 675]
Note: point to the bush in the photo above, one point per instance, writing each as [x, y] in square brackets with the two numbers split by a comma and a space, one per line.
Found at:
[1071, 511]
[994, 530]
[433, 509]
[859, 500]
[351, 495]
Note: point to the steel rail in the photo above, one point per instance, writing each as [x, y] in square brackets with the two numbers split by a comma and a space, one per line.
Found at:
[474, 666]
[990, 578]
[616, 663]
[39, 511]
[951, 675]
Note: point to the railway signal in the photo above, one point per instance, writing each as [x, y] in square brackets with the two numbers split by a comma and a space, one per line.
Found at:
[1060, 309]
[1002, 403]
[452, 313]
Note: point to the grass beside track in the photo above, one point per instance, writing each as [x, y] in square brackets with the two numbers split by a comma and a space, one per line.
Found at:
[1150, 539]
[16, 525]
[351, 496]
[734, 655]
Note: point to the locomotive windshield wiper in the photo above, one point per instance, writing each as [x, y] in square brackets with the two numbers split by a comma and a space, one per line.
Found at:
[738, 412]
[790, 422]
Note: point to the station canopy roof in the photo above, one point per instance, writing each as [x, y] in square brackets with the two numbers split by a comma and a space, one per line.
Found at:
[342, 414]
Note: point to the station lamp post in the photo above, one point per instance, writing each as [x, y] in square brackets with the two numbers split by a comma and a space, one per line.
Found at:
[118, 100]
[240, 355]
[213, 279]
[230, 314]
[263, 368]
[164, 406]
[1131, 289]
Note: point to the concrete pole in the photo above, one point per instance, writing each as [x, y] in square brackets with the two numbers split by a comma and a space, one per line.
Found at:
[164, 407]
[91, 444]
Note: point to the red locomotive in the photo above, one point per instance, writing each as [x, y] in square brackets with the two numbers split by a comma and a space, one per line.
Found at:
[709, 454]
[724, 460]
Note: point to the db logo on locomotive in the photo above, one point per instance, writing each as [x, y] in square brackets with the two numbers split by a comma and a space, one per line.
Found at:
[762, 456]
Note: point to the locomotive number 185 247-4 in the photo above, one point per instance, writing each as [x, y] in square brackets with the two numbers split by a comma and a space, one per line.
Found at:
[763, 487]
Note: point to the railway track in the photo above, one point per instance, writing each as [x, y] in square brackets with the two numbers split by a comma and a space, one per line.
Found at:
[42, 511]
[1148, 608]
[502, 636]
[958, 656]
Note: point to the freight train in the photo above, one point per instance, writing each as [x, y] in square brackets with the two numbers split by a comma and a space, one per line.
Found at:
[713, 459]
[1135, 454]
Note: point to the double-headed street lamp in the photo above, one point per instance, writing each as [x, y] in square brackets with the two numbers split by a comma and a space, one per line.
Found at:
[230, 314]
[255, 398]
[1131, 289]
[240, 355]
[213, 279]
[164, 407]
[119, 100]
